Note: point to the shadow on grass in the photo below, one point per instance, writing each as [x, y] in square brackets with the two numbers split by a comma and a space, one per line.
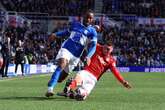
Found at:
[35, 98]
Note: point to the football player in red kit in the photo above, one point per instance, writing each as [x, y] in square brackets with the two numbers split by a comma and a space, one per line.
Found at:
[85, 80]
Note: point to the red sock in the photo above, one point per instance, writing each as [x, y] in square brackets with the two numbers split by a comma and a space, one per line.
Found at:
[73, 85]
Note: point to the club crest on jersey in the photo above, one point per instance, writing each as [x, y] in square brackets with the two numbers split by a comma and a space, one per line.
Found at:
[107, 59]
[101, 60]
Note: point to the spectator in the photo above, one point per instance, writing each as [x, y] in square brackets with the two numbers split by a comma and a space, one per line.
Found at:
[6, 52]
[19, 57]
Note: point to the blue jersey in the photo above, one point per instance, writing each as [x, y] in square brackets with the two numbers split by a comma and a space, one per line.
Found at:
[79, 35]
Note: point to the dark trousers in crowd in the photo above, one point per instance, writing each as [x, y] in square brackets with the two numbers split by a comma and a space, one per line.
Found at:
[22, 67]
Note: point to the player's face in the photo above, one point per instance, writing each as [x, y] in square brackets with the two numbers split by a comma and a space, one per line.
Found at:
[107, 50]
[89, 18]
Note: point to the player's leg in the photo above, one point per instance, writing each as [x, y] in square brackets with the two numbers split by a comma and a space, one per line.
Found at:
[63, 76]
[63, 58]
[66, 90]
[55, 76]
[71, 85]
[86, 85]
[73, 62]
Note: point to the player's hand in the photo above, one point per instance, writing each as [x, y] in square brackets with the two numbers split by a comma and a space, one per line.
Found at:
[87, 61]
[126, 84]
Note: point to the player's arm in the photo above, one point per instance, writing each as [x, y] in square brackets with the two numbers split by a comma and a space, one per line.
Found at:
[65, 32]
[58, 34]
[91, 48]
[62, 33]
[117, 74]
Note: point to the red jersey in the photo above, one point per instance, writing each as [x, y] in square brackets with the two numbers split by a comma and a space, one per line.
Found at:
[100, 63]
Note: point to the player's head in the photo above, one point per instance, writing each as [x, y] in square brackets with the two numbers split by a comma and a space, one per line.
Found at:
[108, 47]
[88, 18]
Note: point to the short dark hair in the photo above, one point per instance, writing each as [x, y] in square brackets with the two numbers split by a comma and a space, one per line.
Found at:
[109, 42]
[87, 12]
[90, 11]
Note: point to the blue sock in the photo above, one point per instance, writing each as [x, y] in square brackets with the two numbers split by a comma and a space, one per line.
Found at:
[53, 81]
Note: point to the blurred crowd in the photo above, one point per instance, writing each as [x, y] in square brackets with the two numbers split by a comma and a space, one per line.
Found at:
[53, 7]
[134, 45]
[147, 8]
[33, 42]
[141, 45]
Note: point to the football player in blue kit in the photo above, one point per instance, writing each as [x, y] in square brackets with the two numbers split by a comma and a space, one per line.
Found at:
[81, 35]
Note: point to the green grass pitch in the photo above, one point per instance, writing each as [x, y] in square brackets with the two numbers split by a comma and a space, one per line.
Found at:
[148, 93]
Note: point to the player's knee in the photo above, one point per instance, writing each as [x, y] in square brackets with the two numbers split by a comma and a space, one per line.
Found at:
[62, 63]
